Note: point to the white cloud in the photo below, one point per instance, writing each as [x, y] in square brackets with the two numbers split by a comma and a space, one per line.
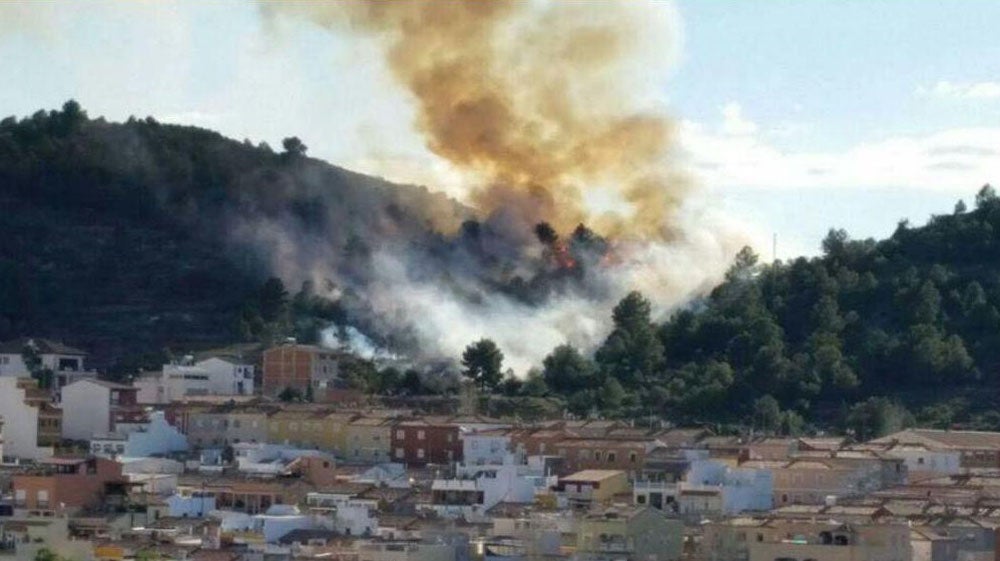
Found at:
[949, 160]
[733, 121]
[970, 90]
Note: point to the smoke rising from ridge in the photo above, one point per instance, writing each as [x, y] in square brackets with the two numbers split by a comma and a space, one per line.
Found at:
[537, 101]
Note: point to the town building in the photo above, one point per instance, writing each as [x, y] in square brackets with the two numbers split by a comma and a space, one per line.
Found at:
[593, 487]
[32, 425]
[368, 440]
[66, 485]
[65, 363]
[426, 440]
[138, 440]
[187, 378]
[976, 449]
[96, 407]
[629, 533]
[295, 366]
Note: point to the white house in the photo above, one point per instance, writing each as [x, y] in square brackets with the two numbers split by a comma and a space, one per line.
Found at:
[228, 376]
[343, 513]
[20, 422]
[140, 440]
[279, 520]
[485, 447]
[710, 482]
[191, 504]
[54, 356]
[489, 474]
[214, 376]
[95, 407]
[66, 363]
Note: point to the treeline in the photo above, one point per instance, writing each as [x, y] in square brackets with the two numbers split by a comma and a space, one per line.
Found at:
[869, 337]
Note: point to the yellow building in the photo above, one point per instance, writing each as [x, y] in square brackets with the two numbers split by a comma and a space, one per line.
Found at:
[593, 486]
[321, 429]
[629, 533]
[369, 439]
[295, 427]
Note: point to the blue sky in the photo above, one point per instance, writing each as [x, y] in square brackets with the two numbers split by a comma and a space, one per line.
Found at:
[793, 116]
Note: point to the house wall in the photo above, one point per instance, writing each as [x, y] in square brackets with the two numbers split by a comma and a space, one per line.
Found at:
[368, 441]
[480, 449]
[287, 366]
[86, 410]
[71, 490]
[228, 378]
[156, 437]
[20, 423]
[416, 444]
[580, 455]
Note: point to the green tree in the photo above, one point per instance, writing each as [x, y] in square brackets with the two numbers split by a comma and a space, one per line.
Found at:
[767, 414]
[534, 384]
[632, 353]
[290, 394]
[875, 417]
[293, 146]
[46, 554]
[986, 196]
[273, 300]
[33, 362]
[482, 362]
[565, 370]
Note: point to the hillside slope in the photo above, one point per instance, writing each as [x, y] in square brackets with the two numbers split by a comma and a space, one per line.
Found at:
[126, 238]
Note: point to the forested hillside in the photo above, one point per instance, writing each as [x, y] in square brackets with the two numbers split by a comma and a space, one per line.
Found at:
[129, 238]
[868, 335]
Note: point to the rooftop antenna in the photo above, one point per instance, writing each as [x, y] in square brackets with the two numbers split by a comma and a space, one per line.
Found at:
[774, 248]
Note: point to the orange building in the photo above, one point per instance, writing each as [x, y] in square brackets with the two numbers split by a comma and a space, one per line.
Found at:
[68, 484]
[298, 366]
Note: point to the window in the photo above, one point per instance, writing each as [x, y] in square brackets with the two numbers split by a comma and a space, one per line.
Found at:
[420, 453]
[20, 497]
[400, 453]
[420, 435]
[760, 537]
[920, 461]
[611, 457]
[641, 499]
[400, 434]
[632, 457]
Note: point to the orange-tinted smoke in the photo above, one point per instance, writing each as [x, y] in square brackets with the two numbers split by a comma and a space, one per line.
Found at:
[525, 95]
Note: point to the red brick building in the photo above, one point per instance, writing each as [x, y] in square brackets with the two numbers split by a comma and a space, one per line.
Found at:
[418, 442]
[298, 366]
[68, 484]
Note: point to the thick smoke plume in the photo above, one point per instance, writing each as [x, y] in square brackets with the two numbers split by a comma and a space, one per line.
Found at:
[534, 99]
[546, 107]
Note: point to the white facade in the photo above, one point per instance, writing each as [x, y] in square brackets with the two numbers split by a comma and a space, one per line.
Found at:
[922, 463]
[485, 448]
[351, 517]
[66, 367]
[86, 406]
[191, 505]
[738, 489]
[141, 440]
[491, 484]
[20, 423]
[228, 377]
[214, 376]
